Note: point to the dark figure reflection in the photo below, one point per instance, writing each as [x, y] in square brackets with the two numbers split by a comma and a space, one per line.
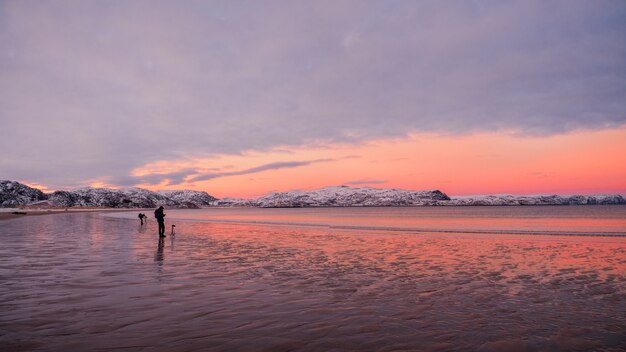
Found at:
[159, 256]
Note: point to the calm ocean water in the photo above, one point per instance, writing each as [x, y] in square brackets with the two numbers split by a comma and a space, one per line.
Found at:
[609, 220]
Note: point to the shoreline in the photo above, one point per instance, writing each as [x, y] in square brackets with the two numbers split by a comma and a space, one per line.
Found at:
[421, 220]
[8, 215]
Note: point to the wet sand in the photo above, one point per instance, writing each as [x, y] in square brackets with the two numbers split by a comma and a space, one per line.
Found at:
[21, 212]
[76, 282]
[11, 215]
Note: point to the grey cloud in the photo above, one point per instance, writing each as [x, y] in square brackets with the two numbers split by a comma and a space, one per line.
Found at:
[95, 89]
[266, 167]
[172, 178]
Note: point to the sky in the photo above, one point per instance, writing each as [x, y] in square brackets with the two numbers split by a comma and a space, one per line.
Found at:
[242, 98]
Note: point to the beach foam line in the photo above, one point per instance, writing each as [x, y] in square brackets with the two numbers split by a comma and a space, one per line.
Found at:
[494, 232]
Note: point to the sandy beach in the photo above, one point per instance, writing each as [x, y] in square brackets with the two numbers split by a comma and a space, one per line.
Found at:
[83, 281]
[12, 213]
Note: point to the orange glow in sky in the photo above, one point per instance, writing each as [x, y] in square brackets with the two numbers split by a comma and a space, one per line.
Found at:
[38, 186]
[583, 162]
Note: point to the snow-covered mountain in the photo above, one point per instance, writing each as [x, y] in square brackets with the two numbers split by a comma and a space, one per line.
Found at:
[197, 198]
[507, 199]
[110, 198]
[130, 198]
[234, 202]
[14, 193]
[344, 196]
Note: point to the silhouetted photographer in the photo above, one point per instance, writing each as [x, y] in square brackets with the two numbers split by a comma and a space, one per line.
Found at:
[160, 216]
[142, 218]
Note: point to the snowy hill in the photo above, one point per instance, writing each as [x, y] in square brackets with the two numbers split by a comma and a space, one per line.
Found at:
[187, 197]
[344, 196]
[378, 197]
[507, 199]
[14, 193]
[111, 198]
[130, 198]
[234, 202]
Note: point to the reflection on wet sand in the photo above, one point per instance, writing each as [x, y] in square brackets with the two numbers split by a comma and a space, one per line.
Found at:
[158, 256]
[242, 287]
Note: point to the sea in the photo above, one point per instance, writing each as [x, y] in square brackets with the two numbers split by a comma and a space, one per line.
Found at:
[535, 278]
[592, 220]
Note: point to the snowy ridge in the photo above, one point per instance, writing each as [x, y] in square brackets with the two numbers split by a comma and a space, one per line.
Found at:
[508, 199]
[234, 202]
[130, 198]
[14, 193]
[344, 196]
[197, 198]
[110, 198]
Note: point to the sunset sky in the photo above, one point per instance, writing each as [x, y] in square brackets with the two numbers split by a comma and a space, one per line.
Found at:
[241, 98]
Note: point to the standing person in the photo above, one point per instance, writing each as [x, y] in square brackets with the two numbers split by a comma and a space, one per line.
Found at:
[141, 218]
[160, 216]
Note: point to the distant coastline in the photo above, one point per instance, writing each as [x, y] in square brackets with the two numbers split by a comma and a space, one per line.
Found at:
[12, 213]
[14, 194]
